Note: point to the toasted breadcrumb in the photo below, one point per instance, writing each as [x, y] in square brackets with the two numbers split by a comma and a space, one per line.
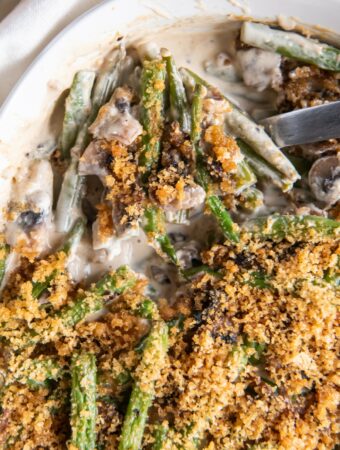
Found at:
[216, 386]
[125, 193]
[105, 222]
[223, 158]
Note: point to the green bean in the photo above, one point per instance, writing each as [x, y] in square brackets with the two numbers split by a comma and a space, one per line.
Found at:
[268, 381]
[178, 98]
[244, 177]
[77, 108]
[153, 89]
[242, 126]
[298, 228]
[72, 241]
[193, 271]
[251, 199]
[36, 372]
[292, 45]
[194, 434]
[147, 309]
[73, 238]
[177, 322]
[332, 276]
[255, 136]
[202, 176]
[255, 358]
[261, 167]
[84, 305]
[106, 81]
[93, 301]
[259, 279]
[228, 227]
[39, 287]
[4, 252]
[123, 378]
[154, 227]
[160, 435]
[69, 202]
[83, 401]
[196, 118]
[148, 372]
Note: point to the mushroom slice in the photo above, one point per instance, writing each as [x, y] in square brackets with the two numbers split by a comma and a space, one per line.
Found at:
[318, 149]
[114, 120]
[260, 68]
[324, 179]
[188, 254]
[194, 196]
[94, 161]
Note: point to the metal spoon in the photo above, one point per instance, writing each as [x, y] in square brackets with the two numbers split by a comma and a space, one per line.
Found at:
[306, 125]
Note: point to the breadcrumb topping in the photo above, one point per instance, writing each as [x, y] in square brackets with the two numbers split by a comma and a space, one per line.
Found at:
[105, 222]
[252, 359]
[221, 388]
[125, 193]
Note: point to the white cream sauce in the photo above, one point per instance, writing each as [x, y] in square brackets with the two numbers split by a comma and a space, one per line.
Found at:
[31, 202]
[260, 69]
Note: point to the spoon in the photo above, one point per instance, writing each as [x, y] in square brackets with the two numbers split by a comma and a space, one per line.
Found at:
[314, 124]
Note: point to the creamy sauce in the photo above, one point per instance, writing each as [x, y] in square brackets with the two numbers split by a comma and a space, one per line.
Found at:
[31, 205]
[260, 69]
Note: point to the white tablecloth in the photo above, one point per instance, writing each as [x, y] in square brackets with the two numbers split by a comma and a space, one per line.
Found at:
[26, 27]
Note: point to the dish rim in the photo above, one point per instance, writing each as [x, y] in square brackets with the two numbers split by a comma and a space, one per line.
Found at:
[46, 49]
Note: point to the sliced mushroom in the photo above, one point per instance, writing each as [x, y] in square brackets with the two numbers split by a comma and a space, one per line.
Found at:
[194, 196]
[188, 254]
[318, 149]
[260, 68]
[94, 161]
[114, 120]
[324, 179]
[159, 274]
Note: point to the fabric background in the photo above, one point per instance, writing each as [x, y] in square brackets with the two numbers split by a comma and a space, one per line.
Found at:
[26, 27]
